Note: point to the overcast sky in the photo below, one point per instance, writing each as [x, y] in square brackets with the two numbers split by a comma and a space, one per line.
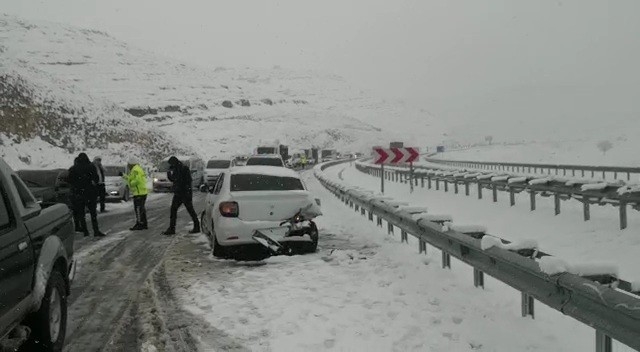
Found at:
[432, 53]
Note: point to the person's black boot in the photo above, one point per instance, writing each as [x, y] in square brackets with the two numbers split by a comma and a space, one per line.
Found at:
[136, 227]
[97, 232]
[169, 232]
[196, 228]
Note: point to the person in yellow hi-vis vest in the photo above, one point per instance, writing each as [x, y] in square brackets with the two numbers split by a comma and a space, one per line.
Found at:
[303, 161]
[137, 181]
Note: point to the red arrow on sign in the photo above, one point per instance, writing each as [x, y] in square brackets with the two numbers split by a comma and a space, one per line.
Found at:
[381, 155]
[414, 154]
[399, 155]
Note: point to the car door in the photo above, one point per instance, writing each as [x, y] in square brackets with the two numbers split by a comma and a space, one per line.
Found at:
[16, 257]
[212, 197]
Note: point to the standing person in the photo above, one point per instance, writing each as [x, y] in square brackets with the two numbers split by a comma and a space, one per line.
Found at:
[73, 200]
[102, 190]
[180, 175]
[137, 181]
[84, 180]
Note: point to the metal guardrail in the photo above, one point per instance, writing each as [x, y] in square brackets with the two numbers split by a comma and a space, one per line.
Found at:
[544, 169]
[560, 189]
[612, 313]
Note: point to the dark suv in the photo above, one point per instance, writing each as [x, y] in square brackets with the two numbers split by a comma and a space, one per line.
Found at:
[36, 267]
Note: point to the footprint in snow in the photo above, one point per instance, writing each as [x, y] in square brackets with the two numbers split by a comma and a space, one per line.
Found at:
[456, 320]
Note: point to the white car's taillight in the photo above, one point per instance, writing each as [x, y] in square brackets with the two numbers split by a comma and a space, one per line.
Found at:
[229, 209]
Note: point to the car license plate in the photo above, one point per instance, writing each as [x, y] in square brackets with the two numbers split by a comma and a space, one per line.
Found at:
[277, 233]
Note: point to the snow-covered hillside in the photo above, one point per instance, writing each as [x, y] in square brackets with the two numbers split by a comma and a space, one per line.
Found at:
[585, 151]
[215, 112]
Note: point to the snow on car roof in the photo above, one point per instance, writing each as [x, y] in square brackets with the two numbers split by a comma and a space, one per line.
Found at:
[270, 156]
[265, 170]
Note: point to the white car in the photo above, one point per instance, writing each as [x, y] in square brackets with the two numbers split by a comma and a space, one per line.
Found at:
[250, 198]
[265, 160]
[115, 186]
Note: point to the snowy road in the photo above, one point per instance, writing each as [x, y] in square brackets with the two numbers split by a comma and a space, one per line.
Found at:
[362, 290]
[111, 272]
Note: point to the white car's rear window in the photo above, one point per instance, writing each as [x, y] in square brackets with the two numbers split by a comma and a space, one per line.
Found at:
[256, 182]
[265, 161]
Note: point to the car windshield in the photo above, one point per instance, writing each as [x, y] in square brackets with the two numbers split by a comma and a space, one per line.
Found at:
[39, 178]
[218, 164]
[111, 171]
[257, 182]
[264, 161]
[164, 166]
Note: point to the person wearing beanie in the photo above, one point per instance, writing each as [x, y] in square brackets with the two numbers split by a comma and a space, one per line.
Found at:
[137, 181]
[102, 190]
[180, 175]
[83, 179]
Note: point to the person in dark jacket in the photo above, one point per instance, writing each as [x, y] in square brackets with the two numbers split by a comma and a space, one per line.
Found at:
[84, 180]
[180, 175]
[102, 190]
[72, 199]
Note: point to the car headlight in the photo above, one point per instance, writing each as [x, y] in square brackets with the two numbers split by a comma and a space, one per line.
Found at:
[155, 179]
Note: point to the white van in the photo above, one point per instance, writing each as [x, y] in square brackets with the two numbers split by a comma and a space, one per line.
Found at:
[161, 181]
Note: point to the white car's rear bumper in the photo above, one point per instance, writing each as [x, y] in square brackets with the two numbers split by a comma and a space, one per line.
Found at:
[235, 232]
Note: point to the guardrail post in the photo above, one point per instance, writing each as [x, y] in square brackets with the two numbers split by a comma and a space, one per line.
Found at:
[532, 197]
[422, 181]
[466, 188]
[389, 228]
[479, 190]
[446, 260]
[585, 209]
[422, 246]
[478, 278]
[429, 181]
[603, 342]
[573, 172]
[363, 211]
[446, 185]
[628, 176]
[455, 187]
[437, 184]
[556, 201]
[512, 197]
[615, 175]
[379, 220]
[603, 175]
[370, 215]
[623, 215]
[495, 192]
[582, 173]
[527, 306]
[356, 207]
[403, 236]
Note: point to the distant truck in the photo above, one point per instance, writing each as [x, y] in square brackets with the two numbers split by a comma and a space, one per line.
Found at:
[278, 149]
[328, 154]
[440, 149]
[36, 267]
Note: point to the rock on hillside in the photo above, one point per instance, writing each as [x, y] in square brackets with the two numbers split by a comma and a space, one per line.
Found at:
[45, 128]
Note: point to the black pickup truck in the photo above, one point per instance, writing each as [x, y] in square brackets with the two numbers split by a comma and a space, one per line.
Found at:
[36, 267]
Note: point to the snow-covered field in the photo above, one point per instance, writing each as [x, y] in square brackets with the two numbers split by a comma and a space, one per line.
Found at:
[362, 291]
[624, 152]
[566, 236]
